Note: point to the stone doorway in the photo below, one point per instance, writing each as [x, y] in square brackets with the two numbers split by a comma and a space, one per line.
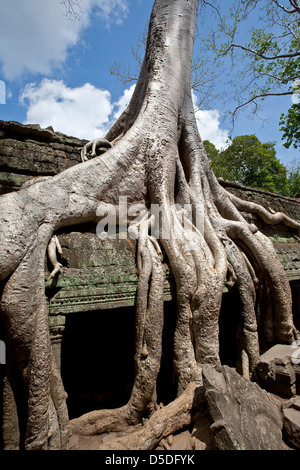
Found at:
[295, 286]
[97, 359]
[229, 322]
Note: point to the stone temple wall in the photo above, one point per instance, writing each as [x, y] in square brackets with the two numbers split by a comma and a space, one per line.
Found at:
[28, 151]
[101, 274]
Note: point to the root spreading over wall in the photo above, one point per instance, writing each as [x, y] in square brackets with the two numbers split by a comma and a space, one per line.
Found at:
[155, 157]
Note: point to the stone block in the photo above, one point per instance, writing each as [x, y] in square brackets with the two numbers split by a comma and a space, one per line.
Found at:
[278, 371]
[291, 421]
[244, 416]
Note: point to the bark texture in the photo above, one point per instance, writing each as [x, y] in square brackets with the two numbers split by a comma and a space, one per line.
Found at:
[156, 157]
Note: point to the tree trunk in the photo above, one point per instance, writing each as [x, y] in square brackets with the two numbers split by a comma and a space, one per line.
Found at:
[157, 159]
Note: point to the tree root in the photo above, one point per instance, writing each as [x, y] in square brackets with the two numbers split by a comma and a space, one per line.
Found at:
[92, 146]
[267, 217]
[161, 424]
[54, 248]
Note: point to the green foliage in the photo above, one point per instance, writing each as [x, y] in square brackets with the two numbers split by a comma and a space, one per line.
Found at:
[290, 126]
[264, 58]
[294, 178]
[211, 150]
[249, 162]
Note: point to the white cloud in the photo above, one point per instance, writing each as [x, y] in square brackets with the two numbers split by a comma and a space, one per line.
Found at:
[208, 122]
[37, 35]
[88, 112]
[85, 112]
[124, 101]
[111, 10]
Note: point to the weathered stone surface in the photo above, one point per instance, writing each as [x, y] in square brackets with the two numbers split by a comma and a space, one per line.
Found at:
[181, 441]
[244, 416]
[27, 151]
[289, 255]
[28, 130]
[291, 421]
[202, 434]
[278, 369]
[96, 274]
[11, 181]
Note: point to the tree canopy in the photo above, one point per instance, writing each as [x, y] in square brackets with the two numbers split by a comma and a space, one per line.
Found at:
[290, 125]
[266, 57]
[260, 61]
[252, 163]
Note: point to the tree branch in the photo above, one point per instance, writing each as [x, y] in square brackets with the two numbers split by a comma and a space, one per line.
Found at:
[295, 6]
[252, 51]
[214, 8]
[263, 95]
[73, 8]
[123, 75]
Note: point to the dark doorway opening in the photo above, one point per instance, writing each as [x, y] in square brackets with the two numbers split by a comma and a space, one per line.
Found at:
[97, 359]
[166, 381]
[295, 288]
[229, 324]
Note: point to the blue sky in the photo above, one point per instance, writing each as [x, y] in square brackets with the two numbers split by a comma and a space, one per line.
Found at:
[57, 71]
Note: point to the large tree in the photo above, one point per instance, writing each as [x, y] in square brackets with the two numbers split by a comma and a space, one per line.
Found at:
[156, 158]
[249, 162]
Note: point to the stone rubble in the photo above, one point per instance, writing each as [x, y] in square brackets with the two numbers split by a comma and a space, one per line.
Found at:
[278, 370]
[291, 421]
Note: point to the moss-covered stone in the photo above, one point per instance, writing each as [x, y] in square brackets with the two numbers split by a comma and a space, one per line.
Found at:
[96, 274]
